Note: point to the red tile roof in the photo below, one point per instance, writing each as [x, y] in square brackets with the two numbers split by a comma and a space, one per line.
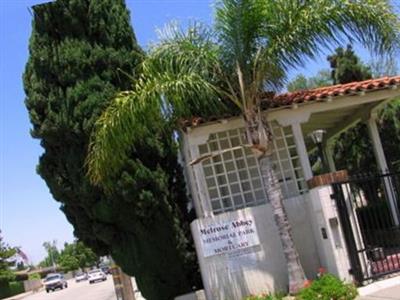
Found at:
[333, 91]
[305, 96]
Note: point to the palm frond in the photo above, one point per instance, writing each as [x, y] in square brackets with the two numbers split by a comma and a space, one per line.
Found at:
[184, 68]
[178, 79]
[115, 130]
[301, 28]
[240, 25]
[267, 38]
[213, 154]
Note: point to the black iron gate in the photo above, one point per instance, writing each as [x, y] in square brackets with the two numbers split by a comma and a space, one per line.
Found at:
[368, 207]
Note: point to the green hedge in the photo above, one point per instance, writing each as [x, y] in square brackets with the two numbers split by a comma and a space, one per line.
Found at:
[328, 287]
[34, 276]
[10, 289]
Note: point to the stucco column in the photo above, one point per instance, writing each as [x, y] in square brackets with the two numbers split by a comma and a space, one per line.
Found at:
[198, 179]
[377, 144]
[201, 188]
[302, 150]
[382, 164]
[329, 156]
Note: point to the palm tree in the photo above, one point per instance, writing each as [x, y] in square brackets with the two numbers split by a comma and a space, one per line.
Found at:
[249, 51]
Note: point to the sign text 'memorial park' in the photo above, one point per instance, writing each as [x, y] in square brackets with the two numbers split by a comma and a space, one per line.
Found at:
[225, 237]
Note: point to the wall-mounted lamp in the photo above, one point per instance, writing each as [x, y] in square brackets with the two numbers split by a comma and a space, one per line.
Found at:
[317, 137]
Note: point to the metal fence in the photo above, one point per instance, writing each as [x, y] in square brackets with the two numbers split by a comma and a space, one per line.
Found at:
[369, 206]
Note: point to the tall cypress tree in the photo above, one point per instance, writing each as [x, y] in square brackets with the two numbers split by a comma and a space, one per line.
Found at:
[347, 67]
[80, 54]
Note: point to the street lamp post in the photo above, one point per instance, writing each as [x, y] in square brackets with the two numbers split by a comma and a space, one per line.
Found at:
[122, 283]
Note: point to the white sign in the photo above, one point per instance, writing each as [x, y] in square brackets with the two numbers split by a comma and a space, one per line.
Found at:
[229, 236]
[241, 260]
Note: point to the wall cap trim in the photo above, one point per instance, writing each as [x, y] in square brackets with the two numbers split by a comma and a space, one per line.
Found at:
[327, 179]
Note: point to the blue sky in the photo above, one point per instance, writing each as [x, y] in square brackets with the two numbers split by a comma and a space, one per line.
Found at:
[28, 214]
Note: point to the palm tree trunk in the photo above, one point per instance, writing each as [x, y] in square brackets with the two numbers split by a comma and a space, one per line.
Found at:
[258, 135]
[295, 270]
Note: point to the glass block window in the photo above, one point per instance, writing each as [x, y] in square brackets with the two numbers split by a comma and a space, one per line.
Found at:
[287, 162]
[233, 179]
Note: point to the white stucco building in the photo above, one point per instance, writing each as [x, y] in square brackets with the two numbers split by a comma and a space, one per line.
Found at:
[227, 188]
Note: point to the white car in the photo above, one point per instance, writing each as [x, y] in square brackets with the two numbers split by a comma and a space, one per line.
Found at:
[81, 277]
[96, 275]
[54, 281]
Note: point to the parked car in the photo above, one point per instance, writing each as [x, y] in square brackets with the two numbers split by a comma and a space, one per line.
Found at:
[81, 277]
[54, 281]
[96, 275]
[106, 270]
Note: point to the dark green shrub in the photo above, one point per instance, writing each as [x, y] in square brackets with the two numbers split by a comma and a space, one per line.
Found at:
[11, 288]
[3, 289]
[34, 276]
[21, 277]
[328, 287]
[16, 287]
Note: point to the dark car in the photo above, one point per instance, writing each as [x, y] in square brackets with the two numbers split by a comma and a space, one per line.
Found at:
[106, 270]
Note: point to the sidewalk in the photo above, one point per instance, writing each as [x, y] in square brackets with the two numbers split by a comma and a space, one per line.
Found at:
[392, 293]
[387, 289]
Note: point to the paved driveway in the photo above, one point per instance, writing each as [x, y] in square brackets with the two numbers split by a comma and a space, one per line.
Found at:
[79, 291]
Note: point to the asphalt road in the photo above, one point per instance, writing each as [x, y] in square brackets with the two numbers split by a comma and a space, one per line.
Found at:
[79, 291]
